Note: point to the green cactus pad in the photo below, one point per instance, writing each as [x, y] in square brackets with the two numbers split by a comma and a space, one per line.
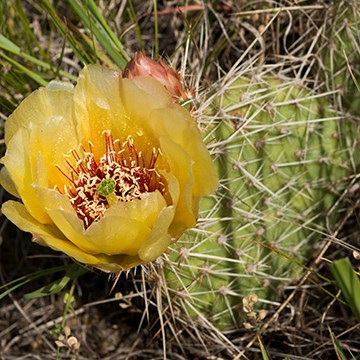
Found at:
[283, 158]
[340, 53]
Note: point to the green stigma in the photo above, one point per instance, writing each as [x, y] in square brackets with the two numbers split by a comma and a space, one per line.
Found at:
[106, 187]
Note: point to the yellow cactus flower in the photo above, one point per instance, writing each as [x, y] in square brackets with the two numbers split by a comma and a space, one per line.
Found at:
[109, 172]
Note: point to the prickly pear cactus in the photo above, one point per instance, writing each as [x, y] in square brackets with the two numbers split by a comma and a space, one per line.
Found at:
[283, 158]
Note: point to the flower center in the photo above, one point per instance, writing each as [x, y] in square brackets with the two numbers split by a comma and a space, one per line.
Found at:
[121, 174]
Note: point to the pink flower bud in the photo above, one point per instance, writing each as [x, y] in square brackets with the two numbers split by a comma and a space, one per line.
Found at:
[141, 65]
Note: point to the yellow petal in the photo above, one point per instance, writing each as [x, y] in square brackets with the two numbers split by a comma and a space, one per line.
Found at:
[117, 235]
[44, 234]
[113, 234]
[117, 263]
[47, 141]
[38, 108]
[47, 115]
[7, 183]
[141, 95]
[98, 106]
[145, 210]
[159, 238]
[180, 164]
[60, 85]
[48, 235]
[173, 187]
[63, 215]
[22, 173]
[177, 125]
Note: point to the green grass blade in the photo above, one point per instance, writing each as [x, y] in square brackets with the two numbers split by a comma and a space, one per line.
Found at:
[72, 273]
[7, 45]
[101, 36]
[78, 49]
[339, 351]
[28, 278]
[97, 14]
[30, 38]
[25, 70]
[133, 17]
[263, 350]
[348, 282]
[49, 289]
